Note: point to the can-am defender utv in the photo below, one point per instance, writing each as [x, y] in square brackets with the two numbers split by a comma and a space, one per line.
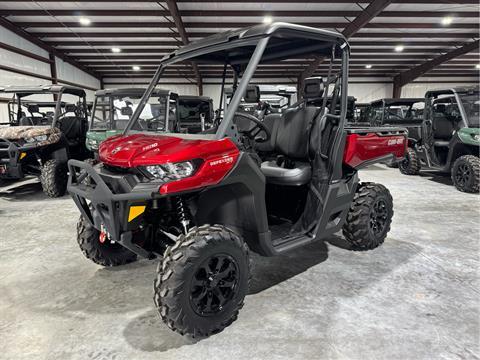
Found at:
[449, 140]
[113, 108]
[406, 113]
[42, 135]
[201, 202]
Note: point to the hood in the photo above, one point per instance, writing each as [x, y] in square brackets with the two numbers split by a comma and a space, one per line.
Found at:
[16, 133]
[142, 149]
[23, 132]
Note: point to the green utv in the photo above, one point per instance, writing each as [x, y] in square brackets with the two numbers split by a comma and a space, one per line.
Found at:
[113, 108]
[46, 127]
[450, 138]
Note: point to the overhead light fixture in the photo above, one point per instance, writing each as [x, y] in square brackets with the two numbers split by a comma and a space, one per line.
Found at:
[447, 20]
[399, 48]
[477, 66]
[84, 21]
[136, 68]
[116, 49]
[368, 66]
[267, 19]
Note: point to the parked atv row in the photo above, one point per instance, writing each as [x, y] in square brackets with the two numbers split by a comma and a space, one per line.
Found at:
[202, 202]
[449, 140]
[41, 136]
[443, 133]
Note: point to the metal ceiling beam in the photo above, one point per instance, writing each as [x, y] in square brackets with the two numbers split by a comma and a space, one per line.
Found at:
[122, 34]
[412, 74]
[51, 50]
[436, 2]
[172, 7]
[164, 51]
[362, 20]
[235, 25]
[354, 43]
[236, 13]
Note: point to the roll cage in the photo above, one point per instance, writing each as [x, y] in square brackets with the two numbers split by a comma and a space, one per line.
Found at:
[243, 50]
[457, 93]
[57, 91]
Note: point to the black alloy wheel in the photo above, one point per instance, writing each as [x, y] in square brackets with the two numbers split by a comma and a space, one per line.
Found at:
[214, 284]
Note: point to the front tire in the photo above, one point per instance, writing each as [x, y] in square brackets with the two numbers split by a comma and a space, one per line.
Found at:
[202, 281]
[369, 218]
[54, 177]
[411, 164]
[102, 253]
[466, 173]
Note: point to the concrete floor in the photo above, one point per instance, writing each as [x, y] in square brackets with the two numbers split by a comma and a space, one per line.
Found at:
[416, 297]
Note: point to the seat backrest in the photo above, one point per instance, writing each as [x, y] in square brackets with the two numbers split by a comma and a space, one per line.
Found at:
[293, 132]
[271, 121]
[71, 127]
[442, 126]
[295, 125]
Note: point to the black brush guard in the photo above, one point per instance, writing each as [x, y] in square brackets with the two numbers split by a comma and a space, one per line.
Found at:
[9, 158]
[103, 207]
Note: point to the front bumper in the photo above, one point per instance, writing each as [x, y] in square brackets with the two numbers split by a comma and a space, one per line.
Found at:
[10, 166]
[106, 198]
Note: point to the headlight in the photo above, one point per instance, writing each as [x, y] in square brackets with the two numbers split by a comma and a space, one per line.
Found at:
[92, 142]
[476, 137]
[171, 171]
[38, 138]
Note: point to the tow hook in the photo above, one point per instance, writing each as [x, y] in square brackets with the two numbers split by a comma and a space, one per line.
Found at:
[104, 235]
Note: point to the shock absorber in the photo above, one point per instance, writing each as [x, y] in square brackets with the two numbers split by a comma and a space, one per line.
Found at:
[182, 217]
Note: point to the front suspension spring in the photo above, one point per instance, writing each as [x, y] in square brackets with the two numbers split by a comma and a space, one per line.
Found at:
[182, 217]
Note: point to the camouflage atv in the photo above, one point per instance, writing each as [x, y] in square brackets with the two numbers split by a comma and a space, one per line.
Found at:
[41, 136]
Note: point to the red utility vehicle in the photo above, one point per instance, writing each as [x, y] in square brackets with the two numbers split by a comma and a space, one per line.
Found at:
[201, 202]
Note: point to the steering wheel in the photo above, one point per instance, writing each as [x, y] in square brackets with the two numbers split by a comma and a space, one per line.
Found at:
[256, 130]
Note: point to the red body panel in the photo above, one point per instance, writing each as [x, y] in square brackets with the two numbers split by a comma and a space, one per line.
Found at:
[361, 148]
[218, 157]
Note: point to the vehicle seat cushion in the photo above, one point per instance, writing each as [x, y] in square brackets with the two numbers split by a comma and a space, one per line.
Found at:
[299, 175]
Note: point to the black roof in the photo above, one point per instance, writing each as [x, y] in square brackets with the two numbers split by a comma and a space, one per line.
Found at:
[42, 89]
[236, 46]
[453, 90]
[130, 92]
[194, 97]
[401, 101]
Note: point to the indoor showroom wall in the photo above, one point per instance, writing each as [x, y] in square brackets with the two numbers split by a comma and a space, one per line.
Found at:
[65, 71]
[419, 88]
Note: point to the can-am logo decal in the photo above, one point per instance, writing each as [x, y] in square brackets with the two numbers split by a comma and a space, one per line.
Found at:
[226, 160]
[117, 149]
[149, 147]
[395, 141]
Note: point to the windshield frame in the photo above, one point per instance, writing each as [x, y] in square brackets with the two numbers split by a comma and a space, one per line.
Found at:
[323, 40]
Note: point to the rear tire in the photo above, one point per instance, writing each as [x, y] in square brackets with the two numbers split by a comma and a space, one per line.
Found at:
[202, 281]
[411, 164]
[54, 177]
[368, 221]
[466, 173]
[105, 254]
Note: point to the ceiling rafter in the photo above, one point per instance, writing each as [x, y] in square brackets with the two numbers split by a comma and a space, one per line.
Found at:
[414, 73]
[172, 7]
[362, 20]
